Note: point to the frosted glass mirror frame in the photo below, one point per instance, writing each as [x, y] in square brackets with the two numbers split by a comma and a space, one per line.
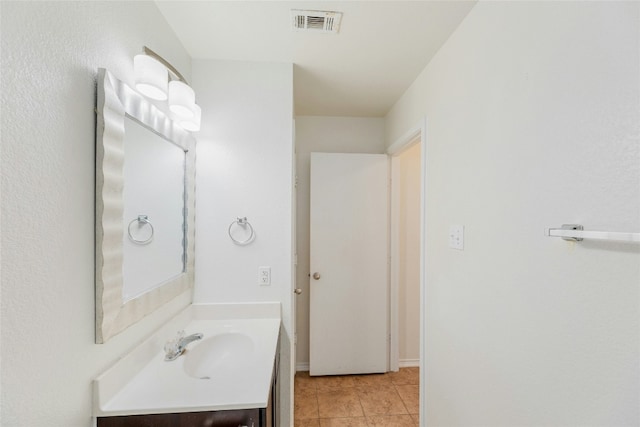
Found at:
[114, 100]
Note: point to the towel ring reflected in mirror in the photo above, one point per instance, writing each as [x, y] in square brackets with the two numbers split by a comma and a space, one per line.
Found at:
[244, 223]
[141, 221]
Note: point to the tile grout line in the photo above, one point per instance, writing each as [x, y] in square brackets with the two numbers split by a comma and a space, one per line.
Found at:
[402, 400]
[366, 421]
[317, 403]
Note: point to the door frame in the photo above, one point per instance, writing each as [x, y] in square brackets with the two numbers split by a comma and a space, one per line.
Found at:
[417, 134]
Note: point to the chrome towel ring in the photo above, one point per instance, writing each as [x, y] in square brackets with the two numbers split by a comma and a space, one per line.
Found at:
[244, 224]
[141, 220]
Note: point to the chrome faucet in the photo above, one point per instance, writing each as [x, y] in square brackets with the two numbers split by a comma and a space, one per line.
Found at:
[175, 347]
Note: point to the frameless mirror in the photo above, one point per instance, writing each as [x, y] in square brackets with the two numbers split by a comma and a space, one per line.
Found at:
[145, 187]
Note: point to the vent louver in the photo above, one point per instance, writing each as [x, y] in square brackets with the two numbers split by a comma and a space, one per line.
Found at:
[316, 20]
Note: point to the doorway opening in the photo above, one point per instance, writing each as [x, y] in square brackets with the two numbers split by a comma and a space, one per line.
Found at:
[408, 253]
[317, 396]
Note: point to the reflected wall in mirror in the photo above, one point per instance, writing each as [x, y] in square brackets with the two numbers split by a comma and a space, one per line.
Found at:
[154, 188]
[142, 187]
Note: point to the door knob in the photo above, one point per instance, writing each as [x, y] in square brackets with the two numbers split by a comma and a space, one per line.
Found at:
[316, 276]
[297, 291]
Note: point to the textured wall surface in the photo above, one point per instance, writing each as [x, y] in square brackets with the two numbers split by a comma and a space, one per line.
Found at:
[244, 168]
[50, 54]
[532, 121]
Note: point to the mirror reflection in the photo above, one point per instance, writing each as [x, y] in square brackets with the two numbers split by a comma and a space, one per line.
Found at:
[154, 207]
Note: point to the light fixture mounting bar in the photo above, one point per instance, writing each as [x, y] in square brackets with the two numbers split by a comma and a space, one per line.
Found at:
[166, 63]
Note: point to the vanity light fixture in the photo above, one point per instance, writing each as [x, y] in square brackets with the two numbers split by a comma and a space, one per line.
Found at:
[193, 124]
[151, 77]
[157, 79]
[182, 99]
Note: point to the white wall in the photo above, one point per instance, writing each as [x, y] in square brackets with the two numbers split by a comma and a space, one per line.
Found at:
[409, 165]
[532, 121]
[244, 168]
[326, 135]
[50, 55]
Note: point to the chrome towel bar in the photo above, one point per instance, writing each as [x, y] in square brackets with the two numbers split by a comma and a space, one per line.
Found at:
[577, 233]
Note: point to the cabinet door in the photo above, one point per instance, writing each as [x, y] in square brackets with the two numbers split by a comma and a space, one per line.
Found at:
[245, 417]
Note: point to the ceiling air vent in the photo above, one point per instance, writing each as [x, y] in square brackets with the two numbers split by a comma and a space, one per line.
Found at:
[322, 21]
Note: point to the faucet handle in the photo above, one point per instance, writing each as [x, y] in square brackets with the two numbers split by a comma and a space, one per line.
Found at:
[171, 346]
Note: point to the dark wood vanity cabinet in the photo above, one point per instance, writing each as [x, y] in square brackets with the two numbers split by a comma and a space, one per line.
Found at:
[259, 417]
[233, 418]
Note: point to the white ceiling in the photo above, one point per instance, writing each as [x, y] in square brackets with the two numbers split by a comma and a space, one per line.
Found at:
[381, 48]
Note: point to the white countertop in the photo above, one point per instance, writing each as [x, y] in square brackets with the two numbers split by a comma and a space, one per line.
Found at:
[144, 383]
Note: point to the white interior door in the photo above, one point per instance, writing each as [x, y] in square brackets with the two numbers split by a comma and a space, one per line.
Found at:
[349, 264]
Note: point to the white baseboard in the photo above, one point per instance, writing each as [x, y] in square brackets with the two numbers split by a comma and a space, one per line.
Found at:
[409, 363]
[403, 363]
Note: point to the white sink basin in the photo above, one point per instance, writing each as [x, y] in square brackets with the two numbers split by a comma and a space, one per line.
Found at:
[231, 367]
[219, 356]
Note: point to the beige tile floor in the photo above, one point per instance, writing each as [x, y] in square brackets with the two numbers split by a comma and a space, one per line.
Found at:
[375, 400]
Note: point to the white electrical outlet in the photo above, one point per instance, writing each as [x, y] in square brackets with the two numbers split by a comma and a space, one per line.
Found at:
[264, 276]
[456, 237]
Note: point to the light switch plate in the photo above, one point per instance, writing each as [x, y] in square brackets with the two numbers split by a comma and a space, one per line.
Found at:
[456, 237]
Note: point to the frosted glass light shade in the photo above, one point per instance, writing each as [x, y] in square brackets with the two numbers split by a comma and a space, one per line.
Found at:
[150, 77]
[182, 99]
[193, 124]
